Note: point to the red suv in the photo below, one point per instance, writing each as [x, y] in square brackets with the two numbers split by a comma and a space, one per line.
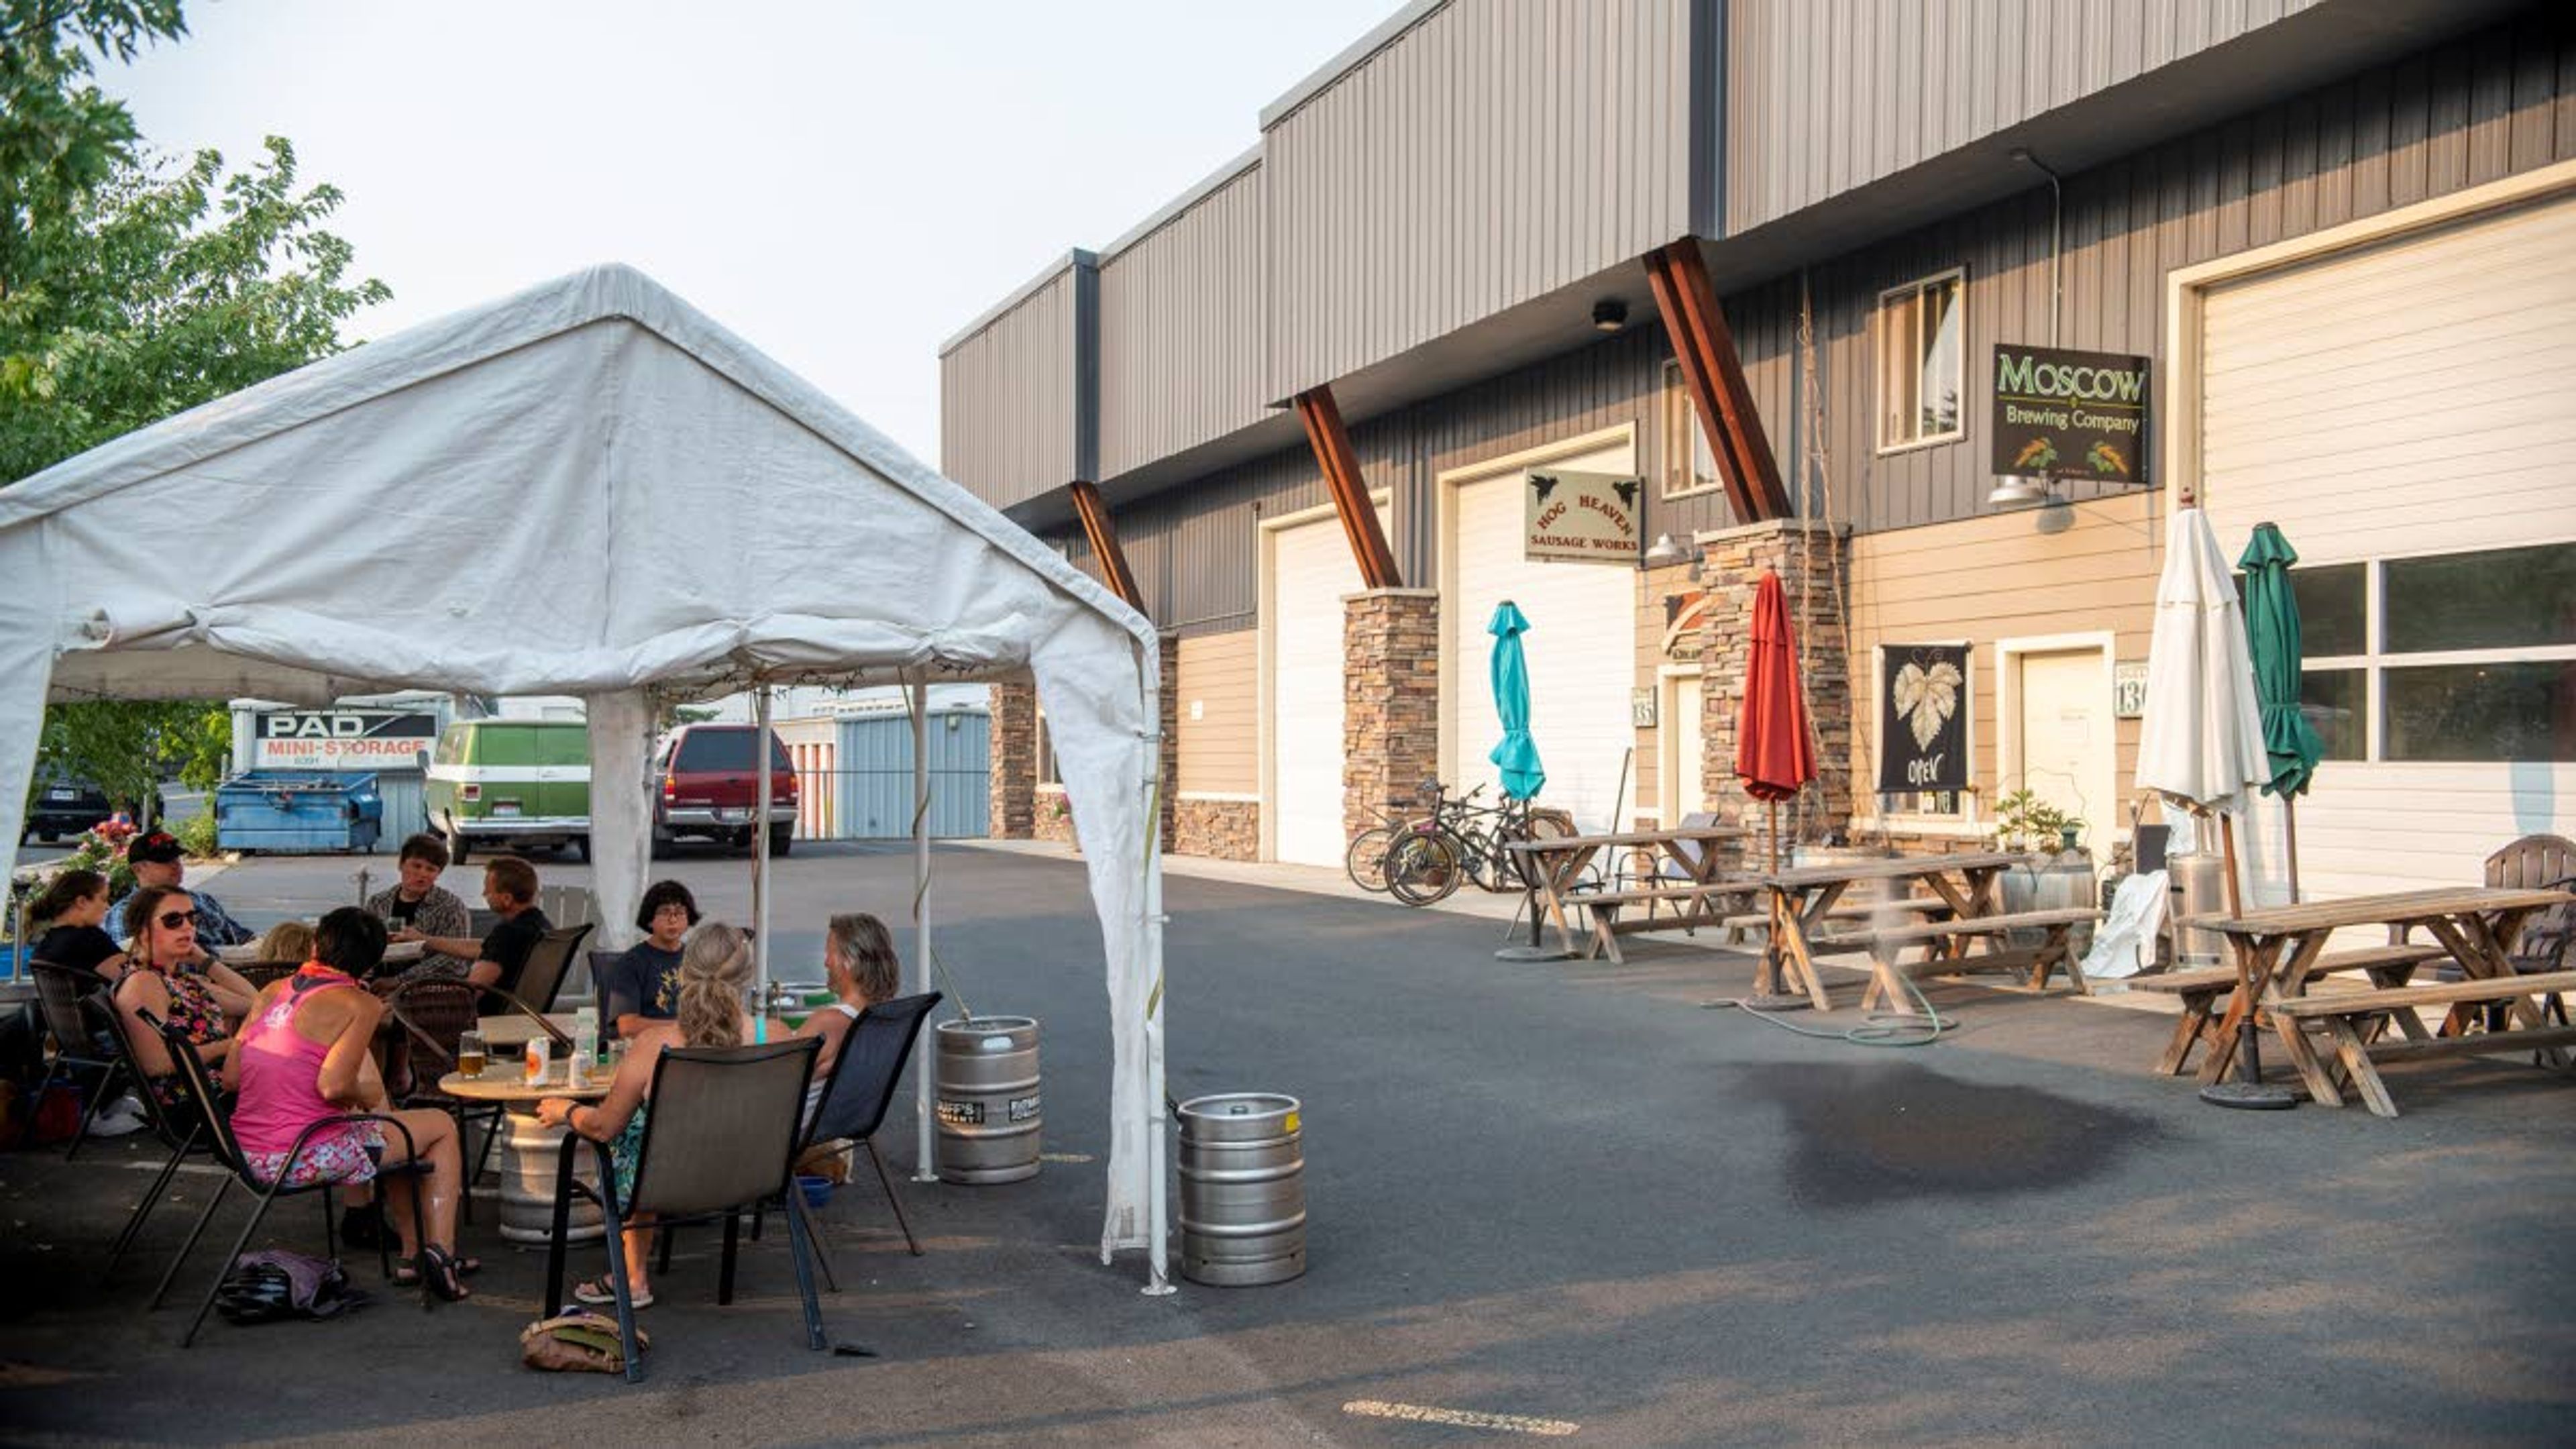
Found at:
[709, 778]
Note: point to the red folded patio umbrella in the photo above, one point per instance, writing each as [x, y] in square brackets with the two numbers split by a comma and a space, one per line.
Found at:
[1772, 755]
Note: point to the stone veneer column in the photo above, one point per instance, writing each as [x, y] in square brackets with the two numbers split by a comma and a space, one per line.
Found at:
[1013, 776]
[1390, 701]
[1810, 558]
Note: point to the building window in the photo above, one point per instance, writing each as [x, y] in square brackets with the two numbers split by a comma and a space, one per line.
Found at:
[1689, 466]
[2462, 658]
[1047, 772]
[1922, 362]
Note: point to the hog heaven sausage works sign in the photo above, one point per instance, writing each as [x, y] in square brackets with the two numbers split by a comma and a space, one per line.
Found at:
[1922, 717]
[1581, 517]
[2080, 415]
[341, 739]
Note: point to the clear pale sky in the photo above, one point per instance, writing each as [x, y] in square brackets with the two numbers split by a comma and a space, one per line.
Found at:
[844, 185]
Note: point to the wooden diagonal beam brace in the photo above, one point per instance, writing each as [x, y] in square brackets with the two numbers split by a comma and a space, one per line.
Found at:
[1103, 536]
[1332, 445]
[1714, 376]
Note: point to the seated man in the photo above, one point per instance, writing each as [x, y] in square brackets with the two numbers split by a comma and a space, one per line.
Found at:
[510, 889]
[158, 861]
[419, 908]
[643, 986]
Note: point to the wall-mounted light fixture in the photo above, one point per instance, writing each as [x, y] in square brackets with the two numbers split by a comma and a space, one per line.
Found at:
[2013, 491]
[1666, 552]
[1609, 315]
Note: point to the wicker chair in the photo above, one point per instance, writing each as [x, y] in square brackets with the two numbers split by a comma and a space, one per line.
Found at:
[433, 1017]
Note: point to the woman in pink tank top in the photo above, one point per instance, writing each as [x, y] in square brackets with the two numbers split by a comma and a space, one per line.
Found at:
[303, 1057]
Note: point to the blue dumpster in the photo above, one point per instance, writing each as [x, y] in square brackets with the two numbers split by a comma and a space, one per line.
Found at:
[295, 812]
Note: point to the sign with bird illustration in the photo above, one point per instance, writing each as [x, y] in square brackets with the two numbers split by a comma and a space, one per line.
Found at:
[1581, 517]
[1923, 717]
[2062, 414]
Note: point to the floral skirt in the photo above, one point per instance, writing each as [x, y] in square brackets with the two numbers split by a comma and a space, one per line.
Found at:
[624, 1152]
[346, 1153]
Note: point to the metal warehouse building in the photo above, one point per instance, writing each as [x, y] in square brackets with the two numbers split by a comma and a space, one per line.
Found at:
[1749, 274]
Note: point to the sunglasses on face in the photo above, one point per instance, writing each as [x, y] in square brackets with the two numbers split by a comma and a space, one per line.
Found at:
[173, 920]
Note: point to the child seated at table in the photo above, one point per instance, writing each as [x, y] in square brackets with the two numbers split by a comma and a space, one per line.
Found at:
[287, 941]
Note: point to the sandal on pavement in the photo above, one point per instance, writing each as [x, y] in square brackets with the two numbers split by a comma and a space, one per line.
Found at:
[446, 1276]
[597, 1292]
[406, 1275]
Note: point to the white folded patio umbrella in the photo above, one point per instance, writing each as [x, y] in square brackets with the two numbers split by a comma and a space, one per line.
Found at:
[2200, 744]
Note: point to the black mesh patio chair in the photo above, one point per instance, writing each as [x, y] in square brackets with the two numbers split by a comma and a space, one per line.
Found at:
[81, 1059]
[433, 1017]
[856, 1093]
[541, 979]
[599, 962]
[182, 1129]
[721, 1127]
[227, 1153]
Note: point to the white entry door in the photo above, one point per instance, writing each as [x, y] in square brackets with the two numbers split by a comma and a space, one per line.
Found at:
[1684, 791]
[2062, 744]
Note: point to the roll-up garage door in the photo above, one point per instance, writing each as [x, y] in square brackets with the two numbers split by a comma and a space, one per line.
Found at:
[1311, 569]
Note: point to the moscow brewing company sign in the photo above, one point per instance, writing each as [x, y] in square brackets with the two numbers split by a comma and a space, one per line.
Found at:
[2070, 414]
[341, 739]
[1922, 717]
[1581, 517]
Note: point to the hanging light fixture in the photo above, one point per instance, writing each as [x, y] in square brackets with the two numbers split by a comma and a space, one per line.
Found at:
[1665, 553]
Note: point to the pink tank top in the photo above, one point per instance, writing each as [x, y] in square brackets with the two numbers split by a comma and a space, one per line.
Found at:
[281, 1092]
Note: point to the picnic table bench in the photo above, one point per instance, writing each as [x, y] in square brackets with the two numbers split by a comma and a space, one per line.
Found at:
[1550, 867]
[2201, 988]
[1948, 940]
[2351, 1019]
[1805, 899]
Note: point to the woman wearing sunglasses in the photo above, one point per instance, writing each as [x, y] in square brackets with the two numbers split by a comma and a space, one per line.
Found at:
[163, 923]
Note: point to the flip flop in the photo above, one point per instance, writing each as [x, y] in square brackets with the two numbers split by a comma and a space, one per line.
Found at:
[598, 1293]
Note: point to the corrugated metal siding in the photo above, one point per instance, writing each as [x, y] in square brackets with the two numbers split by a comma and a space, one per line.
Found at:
[1181, 330]
[1493, 153]
[873, 777]
[2485, 107]
[1008, 422]
[1827, 95]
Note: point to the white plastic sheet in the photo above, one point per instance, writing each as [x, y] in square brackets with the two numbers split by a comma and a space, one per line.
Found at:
[588, 488]
[2125, 943]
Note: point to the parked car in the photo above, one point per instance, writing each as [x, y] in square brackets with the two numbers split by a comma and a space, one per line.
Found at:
[510, 782]
[708, 779]
[58, 805]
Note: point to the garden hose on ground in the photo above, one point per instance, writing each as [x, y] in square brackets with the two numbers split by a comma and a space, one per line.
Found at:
[1878, 1029]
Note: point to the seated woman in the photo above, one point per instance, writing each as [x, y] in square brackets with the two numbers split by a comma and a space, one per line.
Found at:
[643, 986]
[860, 966]
[286, 941]
[715, 978]
[163, 923]
[73, 910]
[303, 1058]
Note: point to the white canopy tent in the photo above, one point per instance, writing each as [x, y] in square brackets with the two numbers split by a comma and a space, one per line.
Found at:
[588, 488]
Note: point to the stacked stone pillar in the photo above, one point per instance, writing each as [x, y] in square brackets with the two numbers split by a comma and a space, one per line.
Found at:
[1390, 701]
[1168, 693]
[1013, 776]
[1810, 559]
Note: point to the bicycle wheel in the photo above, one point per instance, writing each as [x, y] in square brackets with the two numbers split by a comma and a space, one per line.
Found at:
[1366, 859]
[1421, 869]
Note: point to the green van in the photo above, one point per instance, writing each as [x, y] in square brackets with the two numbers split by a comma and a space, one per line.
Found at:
[511, 782]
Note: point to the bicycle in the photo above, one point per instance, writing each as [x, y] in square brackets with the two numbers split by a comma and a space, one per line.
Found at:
[1365, 860]
[1462, 841]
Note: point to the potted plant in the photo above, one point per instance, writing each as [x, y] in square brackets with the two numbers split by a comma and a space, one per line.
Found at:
[2025, 823]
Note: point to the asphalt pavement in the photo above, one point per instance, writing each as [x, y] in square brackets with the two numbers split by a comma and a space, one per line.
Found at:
[1546, 1200]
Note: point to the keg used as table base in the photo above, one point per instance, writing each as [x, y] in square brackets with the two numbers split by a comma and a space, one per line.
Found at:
[1243, 1189]
[527, 1161]
[990, 1111]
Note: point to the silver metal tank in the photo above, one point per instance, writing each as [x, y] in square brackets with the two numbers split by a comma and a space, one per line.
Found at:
[990, 1110]
[2198, 884]
[1243, 1189]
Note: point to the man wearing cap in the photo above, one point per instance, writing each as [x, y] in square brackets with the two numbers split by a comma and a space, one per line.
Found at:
[158, 861]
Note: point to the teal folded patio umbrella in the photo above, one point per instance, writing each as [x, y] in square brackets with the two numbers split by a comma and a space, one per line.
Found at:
[2290, 744]
[1517, 755]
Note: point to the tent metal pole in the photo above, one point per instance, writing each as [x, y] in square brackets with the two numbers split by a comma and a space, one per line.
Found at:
[760, 863]
[917, 697]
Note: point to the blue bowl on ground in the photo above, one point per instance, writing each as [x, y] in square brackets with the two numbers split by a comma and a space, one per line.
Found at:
[818, 1191]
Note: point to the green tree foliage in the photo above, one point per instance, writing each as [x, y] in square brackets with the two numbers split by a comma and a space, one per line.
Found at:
[133, 288]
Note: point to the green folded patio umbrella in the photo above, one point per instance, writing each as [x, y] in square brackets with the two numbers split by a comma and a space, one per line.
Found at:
[2290, 743]
[1517, 754]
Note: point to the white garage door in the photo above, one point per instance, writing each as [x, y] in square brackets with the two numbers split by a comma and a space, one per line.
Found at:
[1310, 570]
[2402, 412]
[1582, 648]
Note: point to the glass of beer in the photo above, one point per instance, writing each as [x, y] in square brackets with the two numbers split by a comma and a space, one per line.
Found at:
[469, 1054]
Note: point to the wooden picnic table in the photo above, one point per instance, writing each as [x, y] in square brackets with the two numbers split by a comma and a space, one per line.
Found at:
[2276, 947]
[1550, 866]
[1802, 897]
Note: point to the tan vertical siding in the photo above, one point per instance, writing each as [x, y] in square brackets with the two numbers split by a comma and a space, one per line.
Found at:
[1490, 154]
[1220, 742]
[1007, 415]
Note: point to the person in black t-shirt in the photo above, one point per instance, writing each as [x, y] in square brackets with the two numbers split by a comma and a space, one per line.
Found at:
[510, 889]
[643, 986]
[73, 906]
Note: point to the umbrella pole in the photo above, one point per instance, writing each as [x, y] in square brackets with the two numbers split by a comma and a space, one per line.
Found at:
[2249, 1091]
[2290, 829]
[760, 865]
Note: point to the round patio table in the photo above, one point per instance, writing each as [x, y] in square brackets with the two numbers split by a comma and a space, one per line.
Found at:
[529, 1148]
